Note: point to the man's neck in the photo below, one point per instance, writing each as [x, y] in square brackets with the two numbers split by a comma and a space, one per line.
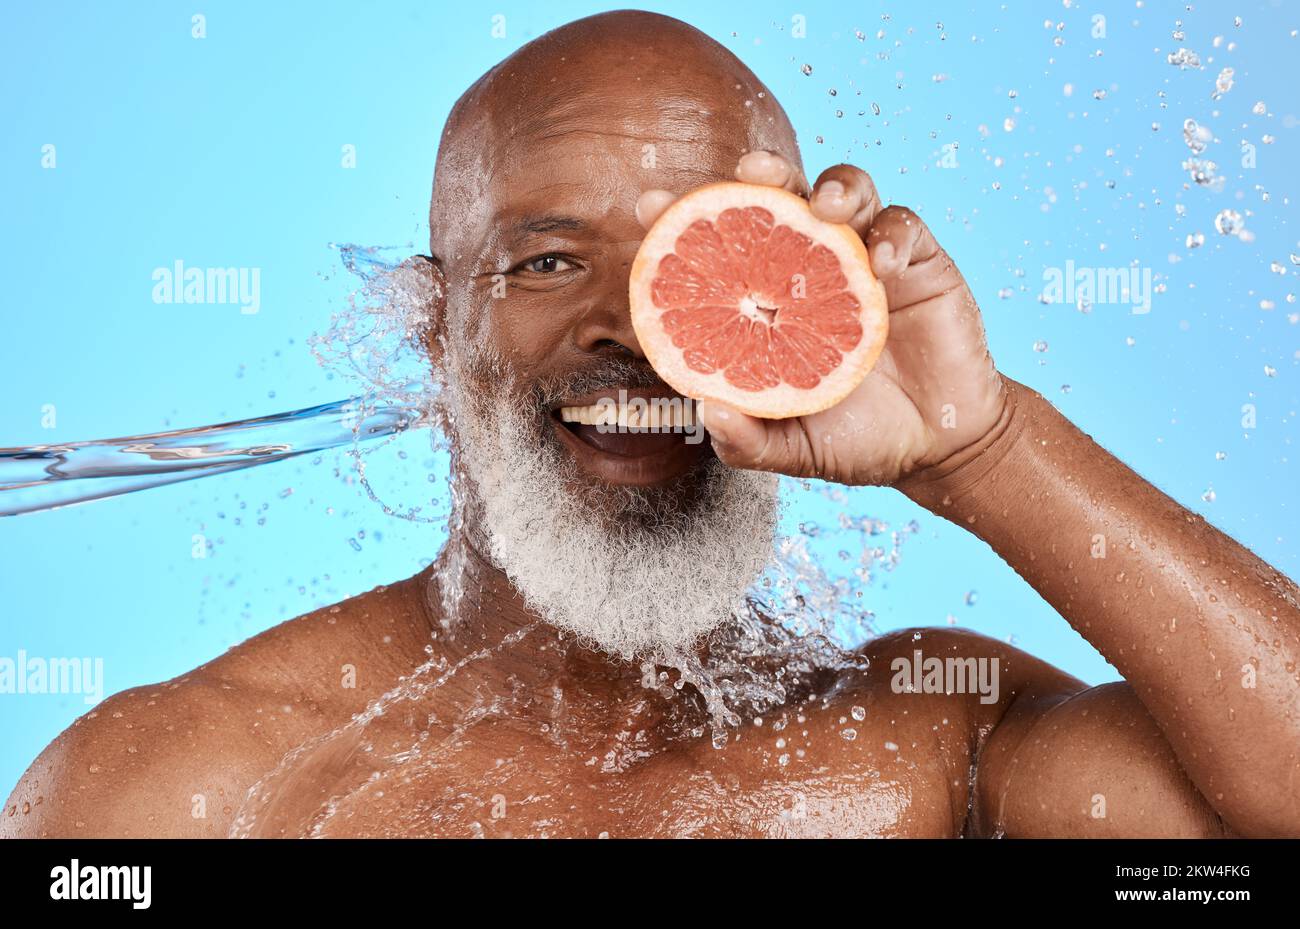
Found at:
[483, 628]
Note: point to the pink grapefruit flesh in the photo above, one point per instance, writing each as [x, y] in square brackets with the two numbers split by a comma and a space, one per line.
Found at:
[739, 294]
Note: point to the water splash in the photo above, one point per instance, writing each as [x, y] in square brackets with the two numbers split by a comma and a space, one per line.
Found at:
[377, 341]
[378, 344]
[304, 791]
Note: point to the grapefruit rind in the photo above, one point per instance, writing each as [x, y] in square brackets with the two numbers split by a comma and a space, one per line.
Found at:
[782, 401]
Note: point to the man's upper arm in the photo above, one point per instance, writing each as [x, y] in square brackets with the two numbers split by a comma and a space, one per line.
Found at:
[1088, 763]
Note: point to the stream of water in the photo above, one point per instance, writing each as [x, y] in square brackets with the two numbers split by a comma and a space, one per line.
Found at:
[45, 477]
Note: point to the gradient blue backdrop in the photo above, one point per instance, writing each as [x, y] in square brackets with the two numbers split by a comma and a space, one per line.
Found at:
[226, 151]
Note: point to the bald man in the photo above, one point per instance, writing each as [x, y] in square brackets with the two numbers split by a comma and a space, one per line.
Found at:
[553, 673]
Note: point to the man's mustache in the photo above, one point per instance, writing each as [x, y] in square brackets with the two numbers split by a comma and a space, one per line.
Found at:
[531, 404]
[607, 374]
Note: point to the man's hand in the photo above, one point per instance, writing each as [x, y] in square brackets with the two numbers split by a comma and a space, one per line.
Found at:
[933, 392]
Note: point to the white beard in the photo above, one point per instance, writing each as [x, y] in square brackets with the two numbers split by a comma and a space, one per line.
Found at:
[647, 581]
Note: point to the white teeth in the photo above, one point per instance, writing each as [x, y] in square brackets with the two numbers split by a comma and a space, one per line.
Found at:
[655, 414]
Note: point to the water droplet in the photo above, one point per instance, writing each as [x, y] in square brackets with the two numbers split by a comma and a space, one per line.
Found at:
[1222, 83]
[1184, 59]
[1229, 222]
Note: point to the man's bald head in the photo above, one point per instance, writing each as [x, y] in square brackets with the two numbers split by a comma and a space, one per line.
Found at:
[659, 92]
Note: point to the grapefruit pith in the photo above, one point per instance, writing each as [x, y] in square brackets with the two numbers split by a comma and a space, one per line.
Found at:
[740, 294]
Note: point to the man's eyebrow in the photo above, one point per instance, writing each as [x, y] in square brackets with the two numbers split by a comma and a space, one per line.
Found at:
[529, 224]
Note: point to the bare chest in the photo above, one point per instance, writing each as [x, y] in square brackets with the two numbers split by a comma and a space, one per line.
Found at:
[751, 788]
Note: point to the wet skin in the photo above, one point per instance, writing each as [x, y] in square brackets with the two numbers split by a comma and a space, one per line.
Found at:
[542, 179]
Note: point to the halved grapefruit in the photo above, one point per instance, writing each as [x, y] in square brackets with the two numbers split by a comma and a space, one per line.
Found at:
[740, 294]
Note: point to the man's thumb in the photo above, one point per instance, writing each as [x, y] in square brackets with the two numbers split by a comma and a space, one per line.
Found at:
[738, 439]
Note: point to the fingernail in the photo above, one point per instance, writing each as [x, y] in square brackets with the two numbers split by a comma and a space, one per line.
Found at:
[713, 420]
[831, 195]
[882, 254]
[831, 189]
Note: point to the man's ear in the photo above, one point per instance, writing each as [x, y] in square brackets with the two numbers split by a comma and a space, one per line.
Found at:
[433, 284]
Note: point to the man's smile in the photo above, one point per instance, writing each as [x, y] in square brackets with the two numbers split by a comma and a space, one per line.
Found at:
[635, 436]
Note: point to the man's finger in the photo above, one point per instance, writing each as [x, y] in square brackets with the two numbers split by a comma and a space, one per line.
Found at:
[738, 439]
[770, 170]
[845, 194]
[899, 242]
[651, 205]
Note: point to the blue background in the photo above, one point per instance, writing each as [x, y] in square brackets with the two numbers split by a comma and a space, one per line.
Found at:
[225, 151]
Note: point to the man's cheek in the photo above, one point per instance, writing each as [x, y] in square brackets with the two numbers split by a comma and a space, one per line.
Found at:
[478, 322]
[477, 338]
[529, 325]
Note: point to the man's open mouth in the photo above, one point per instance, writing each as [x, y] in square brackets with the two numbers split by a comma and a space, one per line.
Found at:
[633, 435]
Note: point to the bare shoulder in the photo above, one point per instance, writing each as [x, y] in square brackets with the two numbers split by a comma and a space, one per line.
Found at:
[177, 758]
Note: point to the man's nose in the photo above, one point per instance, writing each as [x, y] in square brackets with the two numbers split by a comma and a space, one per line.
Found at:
[607, 328]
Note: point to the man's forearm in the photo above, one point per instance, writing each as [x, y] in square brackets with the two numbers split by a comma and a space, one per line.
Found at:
[1207, 634]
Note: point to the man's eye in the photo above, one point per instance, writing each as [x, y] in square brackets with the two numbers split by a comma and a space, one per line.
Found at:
[547, 264]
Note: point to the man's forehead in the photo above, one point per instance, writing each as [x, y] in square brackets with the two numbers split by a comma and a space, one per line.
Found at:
[657, 125]
[592, 160]
[654, 142]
